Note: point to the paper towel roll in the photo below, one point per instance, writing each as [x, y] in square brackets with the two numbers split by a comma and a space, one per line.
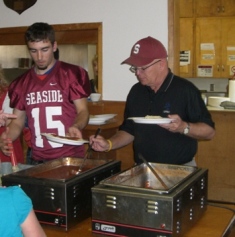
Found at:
[231, 90]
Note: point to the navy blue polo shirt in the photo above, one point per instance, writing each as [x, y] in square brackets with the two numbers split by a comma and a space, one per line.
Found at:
[156, 144]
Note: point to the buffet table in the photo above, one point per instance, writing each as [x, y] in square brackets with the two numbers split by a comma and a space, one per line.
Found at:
[212, 224]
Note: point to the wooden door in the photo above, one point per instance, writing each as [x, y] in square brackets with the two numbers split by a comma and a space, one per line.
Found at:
[208, 32]
[227, 8]
[214, 8]
[207, 8]
[227, 54]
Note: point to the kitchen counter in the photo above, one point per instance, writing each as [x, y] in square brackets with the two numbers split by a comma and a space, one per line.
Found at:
[217, 155]
[212, 224]
[211, 108]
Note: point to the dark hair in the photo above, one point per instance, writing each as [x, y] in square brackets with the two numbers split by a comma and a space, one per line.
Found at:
[40, 31]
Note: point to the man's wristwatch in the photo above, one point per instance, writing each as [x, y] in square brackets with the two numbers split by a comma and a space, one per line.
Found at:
[186, 130]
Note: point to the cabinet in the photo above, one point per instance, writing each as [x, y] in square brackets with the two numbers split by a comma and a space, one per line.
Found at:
[212, 8]
[219, 33]
[206, 24]
[218, 156]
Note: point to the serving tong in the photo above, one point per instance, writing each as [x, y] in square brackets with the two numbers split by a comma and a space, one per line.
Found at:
[88, 153]
[153, 171]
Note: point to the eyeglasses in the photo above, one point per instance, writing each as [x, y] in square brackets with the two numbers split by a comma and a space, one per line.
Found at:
[134, 69]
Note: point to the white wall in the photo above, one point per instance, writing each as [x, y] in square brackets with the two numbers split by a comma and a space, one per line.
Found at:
[124, 23]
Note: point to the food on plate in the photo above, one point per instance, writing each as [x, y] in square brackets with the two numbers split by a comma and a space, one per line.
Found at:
[153, 117]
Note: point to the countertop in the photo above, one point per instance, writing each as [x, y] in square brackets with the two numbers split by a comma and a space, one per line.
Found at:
[211, 108]
[212, 224]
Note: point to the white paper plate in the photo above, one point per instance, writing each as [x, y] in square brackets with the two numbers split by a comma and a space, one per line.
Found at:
[215, 101]
[151, 120]
[64, 140]
[96, 121]
[105, 116]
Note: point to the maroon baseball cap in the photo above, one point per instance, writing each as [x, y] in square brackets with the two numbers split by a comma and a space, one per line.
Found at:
[145, 51]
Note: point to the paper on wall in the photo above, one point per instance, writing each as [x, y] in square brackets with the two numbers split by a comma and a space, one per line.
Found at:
[230, 55]
[207, 52]
[204, 70]
[184, 57]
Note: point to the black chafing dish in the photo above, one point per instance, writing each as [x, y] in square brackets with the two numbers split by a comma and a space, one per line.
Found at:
[134, 202]
[60, 197]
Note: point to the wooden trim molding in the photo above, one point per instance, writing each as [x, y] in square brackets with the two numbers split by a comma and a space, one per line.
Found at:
[173, 35]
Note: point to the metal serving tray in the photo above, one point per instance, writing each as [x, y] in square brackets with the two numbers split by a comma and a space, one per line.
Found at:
[62, 169]
[141, 177]
[61, 198]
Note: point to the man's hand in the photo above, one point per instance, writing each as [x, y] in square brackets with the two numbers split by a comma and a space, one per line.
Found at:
[4, 117]
[99, 143]
[177, 124]
[74, 132]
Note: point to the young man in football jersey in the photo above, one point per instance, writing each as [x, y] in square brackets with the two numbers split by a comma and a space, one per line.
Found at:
[52, 95]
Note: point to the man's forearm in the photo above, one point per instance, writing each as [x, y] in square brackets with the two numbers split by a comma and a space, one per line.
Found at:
[81, 120]
[121, 139]
[14, 131]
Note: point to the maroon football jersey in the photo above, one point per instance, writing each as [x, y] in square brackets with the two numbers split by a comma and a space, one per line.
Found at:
[49, 106]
